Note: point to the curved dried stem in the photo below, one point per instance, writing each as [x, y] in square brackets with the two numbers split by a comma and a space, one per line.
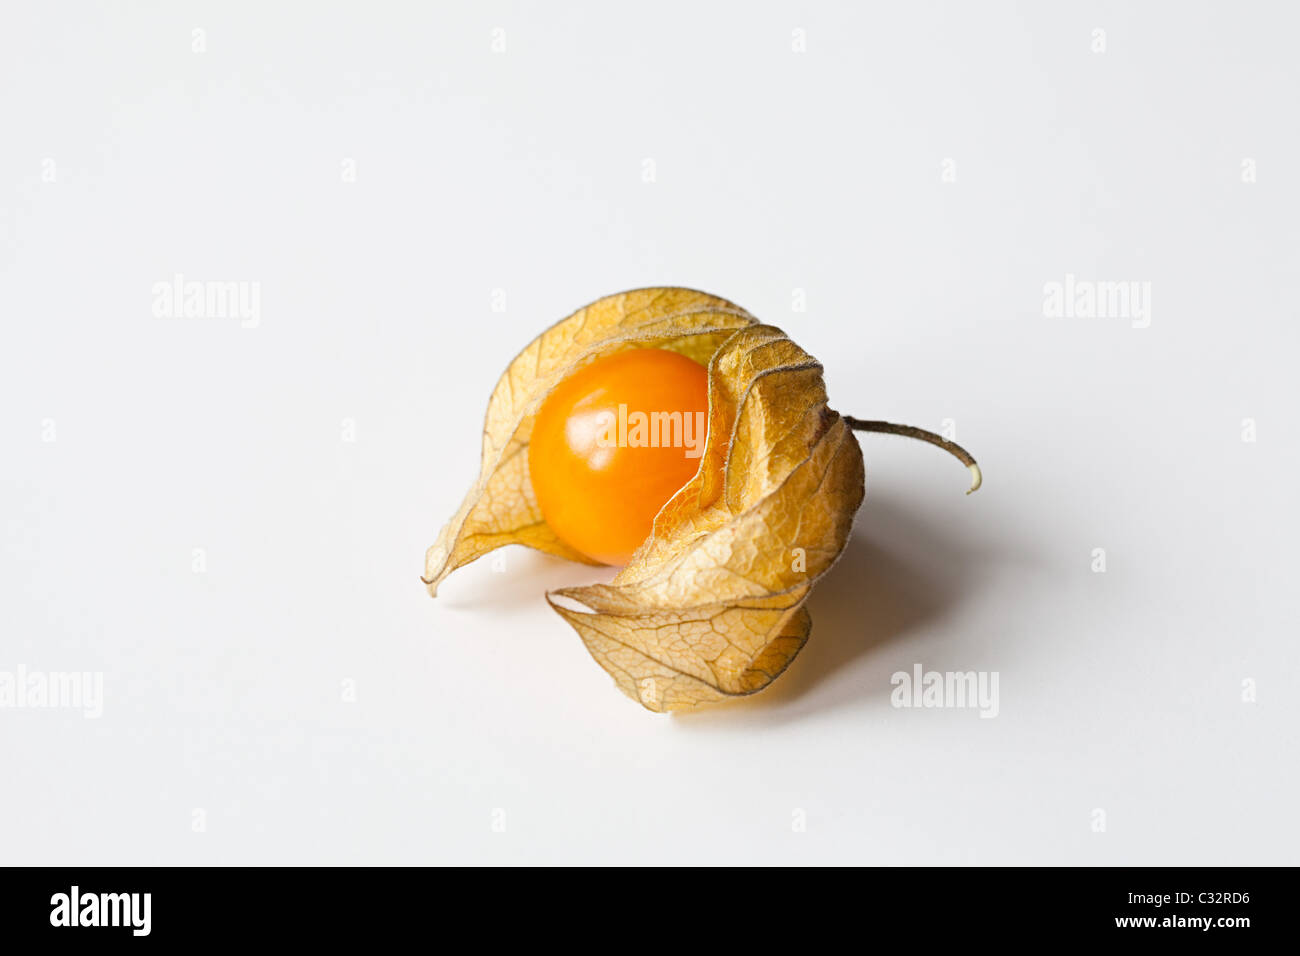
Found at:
[911, 431]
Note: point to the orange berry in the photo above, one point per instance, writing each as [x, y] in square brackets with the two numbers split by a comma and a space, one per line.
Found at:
[612, 443]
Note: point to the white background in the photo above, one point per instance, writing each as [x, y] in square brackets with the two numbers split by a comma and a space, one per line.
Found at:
[523, 171]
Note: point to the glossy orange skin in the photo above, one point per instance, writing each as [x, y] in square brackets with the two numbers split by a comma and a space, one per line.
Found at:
[602, 500]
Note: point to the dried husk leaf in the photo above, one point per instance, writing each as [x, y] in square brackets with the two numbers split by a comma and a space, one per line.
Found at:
[711, 606]
[501, 509]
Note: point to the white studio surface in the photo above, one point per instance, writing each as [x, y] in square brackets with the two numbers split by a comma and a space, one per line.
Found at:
[227, 517]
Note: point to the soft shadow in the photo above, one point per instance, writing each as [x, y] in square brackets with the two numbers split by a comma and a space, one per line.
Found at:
[515, 577]
[900, 574]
